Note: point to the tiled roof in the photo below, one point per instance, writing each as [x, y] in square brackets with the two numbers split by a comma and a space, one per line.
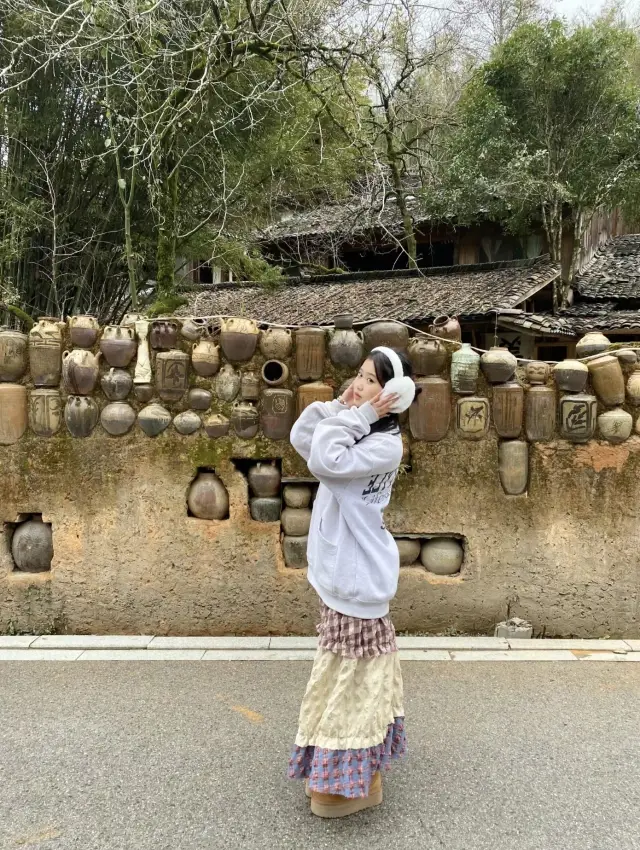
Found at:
[575, 321]
[614, 271]
[406, 295]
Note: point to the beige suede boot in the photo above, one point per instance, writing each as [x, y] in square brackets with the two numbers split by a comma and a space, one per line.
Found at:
[337, 806]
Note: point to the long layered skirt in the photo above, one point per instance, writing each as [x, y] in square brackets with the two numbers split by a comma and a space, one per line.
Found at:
[352, 715]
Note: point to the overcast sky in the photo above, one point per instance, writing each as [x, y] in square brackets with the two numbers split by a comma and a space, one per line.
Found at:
[568, 8]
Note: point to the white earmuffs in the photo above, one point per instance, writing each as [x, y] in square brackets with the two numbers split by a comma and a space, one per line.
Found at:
[400, 383]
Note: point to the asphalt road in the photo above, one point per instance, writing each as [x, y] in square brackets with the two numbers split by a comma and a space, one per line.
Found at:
[188, 756]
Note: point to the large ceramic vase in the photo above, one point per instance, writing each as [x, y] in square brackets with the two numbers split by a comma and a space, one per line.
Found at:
[116, 384]
[498, 365]
[472, 417]
[205, 357]
[172, 374]
[578, 417]
[446, 327]
[633, 387]
[346, 348]
[607, 379]
[615, 425]
[540, 414]
[571, 376]
[465, 368]
[390, 334]
[45, 352]
[314, 391]
[154, 419]
[227, 383]
[208, 498]
[80, 415]
[13, 355]
[275, 373]
[216, 425]
[442, 556]
[264, 479]
[80, 371]
[45, 412]
[513, 466]
[118, 345]
[32, 546]
[277, 413]
[163, 335]
[508, 409]
[276, 343]
[591, 343]
[245, 420]
[117, 418]
[427, 356]
[310, 351]
[430, 414]
[13, 413]
[238, 338]
[83, 331]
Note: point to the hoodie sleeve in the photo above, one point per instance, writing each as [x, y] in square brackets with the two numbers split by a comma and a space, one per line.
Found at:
[305, 425]
[335, 452]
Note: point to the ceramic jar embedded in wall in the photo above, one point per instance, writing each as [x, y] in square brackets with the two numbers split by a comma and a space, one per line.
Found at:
[633, 387]
[540, 414]
[193, 329]
[118, 345]
[465, 367]
[187, 422]
[83, 331]
[249, 387]
[310, 351]
[275, 373]
[154, 419]
[498, 365]
[13, 413]
[227, 383]
[172, 374]
[571, 376]
[116, 384]
[296, 521]
[408, 550]
[615, 425]
[430, 414]
[80, 371]
[316, 391]
[216, 425]
[276, 343]
[578, 417]
[427, 356]
[45, 352]
[446, 327]
[346, 348]
[207, 497]
[508, 408]
[163, 335]
[245, 420]
[32, 546]
[513, 466]
[264, 479]
[205, 357]
[117, 418]
[200, 399]
[472, 417]
[442, 556]
[593, 342]
[238, 338]
[13, 354]
[537, 372]
[80, 415]
[391, 334]
[278, 413]
[607, 379]
[45, 412]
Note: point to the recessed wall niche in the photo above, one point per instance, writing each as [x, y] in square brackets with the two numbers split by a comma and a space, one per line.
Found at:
[30, 543]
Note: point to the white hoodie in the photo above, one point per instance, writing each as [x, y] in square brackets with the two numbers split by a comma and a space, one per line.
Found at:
[353, 559]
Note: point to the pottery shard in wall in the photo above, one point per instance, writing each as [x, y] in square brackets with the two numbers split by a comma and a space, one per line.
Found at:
[498, 365]
[508, 409]
[408, 550]
[13, 413]
[578, 417]
[187, 422]
[227, 383]
[142, 392]
[276, 343]
[294, 550]
[264, 479]
[315, 391]
[83, 331]
[45, 412]
[265, 509]
[592, 343]
[45, 352]
[153, 419]
[391, 334]
[238, 338]
[172, 374]
[13, 354]
[207, 497]
[296, 521]
[216, 425]
[275, 373]
[32, 546]
[607, 379]
[277, 413]
[116, 384]
[472, 417]
[346, 348]
[571, 376]
[163, 335]
[118, 345]
[537, 372]
[80, 371]
[446, 327]
[427, 356]
[442, 556]
[465, 368]
[80, 415]
[633, 387]
[430, 414]
[205, 357]
[245, 420]
[296, 495]
[513, 466]
[117, 418]
[200, 399]
[249, 386]
[310, 351]
[540, 413]
[615, 425]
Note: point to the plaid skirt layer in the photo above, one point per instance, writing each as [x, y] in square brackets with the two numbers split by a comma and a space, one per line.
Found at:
[353, 637]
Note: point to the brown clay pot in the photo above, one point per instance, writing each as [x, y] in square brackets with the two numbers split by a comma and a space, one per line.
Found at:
[154, 419]
[172, 374]
[205, 357]
[264, 479]
[208, 498]
[13, 413]
[163, 335]
[578, 417]
[571, 376]
[390, 334]
[227, 383]
[513, 466]
[118, 345]
[32, 546]
[143, 392]
[446, 327]
[249, 387]
[315, 391]
[83, 331]
[346, 348]
[80, 371]
[537, 372]
[45, 412]
[427, 356]
[508, 409]
[116, 384]
[278, 413]
[187, 422]
[45, 352]
[117, 418]
[13, 354]
[498, 365]
[607, 379]
[216, 425]
[276, 343]
[80, 415]
[238, 338]
[200, 399]
[540, 414]
[245, 420]
[310, 351]
[275, 373]
[408, 550]
[430, 414]
[296, 521]
[472, 417]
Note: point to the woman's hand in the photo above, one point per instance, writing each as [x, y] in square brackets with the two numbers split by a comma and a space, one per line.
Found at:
[348, 396]
[382, 404]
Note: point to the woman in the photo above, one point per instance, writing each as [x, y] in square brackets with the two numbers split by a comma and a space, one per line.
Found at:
[352, 716]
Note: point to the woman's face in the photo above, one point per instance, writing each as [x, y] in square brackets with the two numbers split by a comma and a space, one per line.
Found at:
[365, 384]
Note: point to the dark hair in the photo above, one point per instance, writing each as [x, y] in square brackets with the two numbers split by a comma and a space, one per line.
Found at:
[384, 373]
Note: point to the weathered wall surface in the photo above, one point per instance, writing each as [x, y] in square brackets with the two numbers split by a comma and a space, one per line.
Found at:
[129, 559]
